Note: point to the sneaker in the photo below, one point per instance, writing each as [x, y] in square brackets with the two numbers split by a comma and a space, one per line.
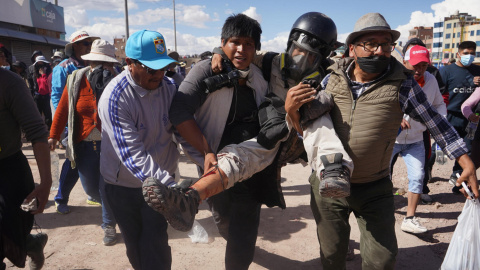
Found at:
[335, 178]
[92, 201]
[35, 245]
[110, 236]
[178, 206]
[412, 225]
[426, 199]
[62, 208]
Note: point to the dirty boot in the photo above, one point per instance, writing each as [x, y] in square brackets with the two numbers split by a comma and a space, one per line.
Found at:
[179, 206]
[334, 178]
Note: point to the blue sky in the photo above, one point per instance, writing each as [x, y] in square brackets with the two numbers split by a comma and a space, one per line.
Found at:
[199, 22]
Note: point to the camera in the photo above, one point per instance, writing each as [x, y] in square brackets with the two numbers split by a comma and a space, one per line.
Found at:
[313, 83]
[228, 79]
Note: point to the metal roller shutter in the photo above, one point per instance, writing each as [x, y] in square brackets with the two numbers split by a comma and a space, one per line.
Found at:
[22, 51]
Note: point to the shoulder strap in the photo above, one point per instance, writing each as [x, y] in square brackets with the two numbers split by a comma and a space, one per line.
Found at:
[267, 65]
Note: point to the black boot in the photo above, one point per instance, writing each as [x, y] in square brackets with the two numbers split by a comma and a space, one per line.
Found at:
[35, 245]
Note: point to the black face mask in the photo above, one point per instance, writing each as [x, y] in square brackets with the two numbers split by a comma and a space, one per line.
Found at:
[374, 63]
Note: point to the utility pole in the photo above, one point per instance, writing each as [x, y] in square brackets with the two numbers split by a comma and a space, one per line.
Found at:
[174, 26]
[126, 19]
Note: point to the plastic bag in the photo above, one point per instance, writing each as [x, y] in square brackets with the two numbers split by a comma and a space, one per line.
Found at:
[198, 233]
[464, 250]
[54, 168]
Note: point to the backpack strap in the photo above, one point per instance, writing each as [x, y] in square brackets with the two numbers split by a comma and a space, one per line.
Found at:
[267, 65]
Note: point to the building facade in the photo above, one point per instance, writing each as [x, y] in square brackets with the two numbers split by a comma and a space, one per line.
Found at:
[455, 31]
[425, 34]
[30, 25]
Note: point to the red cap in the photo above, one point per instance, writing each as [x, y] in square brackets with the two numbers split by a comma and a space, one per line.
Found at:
[417, 54]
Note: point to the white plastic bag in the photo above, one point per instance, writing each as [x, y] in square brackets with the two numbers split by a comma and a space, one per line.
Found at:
[464, 250]
[198, 233]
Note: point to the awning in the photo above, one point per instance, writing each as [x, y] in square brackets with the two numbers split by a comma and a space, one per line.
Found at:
[56, 41]
[31, 37]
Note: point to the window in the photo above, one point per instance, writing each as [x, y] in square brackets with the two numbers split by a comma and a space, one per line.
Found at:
[472, 33]
[454, 25]
[437, 45]
[438, 35]
[477, 54]
[478, 43]
[453, 35]
[435, 55]
[478, 32]
[438, 24]
[449, 25]
[458, 34]
[453, 45]
[446, 56]
[447, 36]
[447, 46]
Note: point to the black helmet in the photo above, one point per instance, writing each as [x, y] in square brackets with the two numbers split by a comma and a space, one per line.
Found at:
[34, 55]
[319, 26]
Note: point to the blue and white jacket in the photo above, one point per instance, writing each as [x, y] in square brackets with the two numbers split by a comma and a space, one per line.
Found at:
[59, 78]
[137, 136]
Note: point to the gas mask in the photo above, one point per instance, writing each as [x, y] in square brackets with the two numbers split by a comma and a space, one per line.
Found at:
[303, 59]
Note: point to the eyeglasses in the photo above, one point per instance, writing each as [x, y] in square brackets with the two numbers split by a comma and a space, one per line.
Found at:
[150, 71]
[372, 47]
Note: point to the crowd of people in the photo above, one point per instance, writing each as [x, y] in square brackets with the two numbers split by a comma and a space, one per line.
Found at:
[240, 114]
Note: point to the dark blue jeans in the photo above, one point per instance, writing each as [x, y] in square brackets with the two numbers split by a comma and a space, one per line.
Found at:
[68, 179]
[236, 213]
[143, 229]
[88, 164]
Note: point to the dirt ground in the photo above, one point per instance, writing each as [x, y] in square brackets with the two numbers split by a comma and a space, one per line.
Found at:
[286, 238]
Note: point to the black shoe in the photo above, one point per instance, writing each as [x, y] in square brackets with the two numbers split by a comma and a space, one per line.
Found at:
[335, 178]
[35, 245]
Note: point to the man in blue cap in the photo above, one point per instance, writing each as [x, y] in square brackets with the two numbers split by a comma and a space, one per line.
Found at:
[137, 144]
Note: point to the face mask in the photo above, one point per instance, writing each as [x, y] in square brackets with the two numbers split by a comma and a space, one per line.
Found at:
[467, 60]
[374, 63]
[6, 67]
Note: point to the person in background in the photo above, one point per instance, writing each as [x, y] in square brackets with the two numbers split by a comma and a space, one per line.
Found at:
[5, 58]
[43, 73]
[17, 113]
[429, 148]
[80, 44]
[460, 80]
[32, 80]
[471, 111]
[409, 143]
[20, 68]
[171, 72]
[57, 58]
[78, 108]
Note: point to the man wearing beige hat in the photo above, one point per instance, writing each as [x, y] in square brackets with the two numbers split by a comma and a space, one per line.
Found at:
[372, 91]
[80, 44]
[78, 108]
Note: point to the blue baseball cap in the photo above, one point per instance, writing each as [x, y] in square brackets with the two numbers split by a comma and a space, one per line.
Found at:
[149, 48]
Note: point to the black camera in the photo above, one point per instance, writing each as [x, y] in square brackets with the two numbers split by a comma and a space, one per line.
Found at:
[313, 83]
[228, 79]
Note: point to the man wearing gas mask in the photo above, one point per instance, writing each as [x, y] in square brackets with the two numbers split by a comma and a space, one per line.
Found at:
[312, 38]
